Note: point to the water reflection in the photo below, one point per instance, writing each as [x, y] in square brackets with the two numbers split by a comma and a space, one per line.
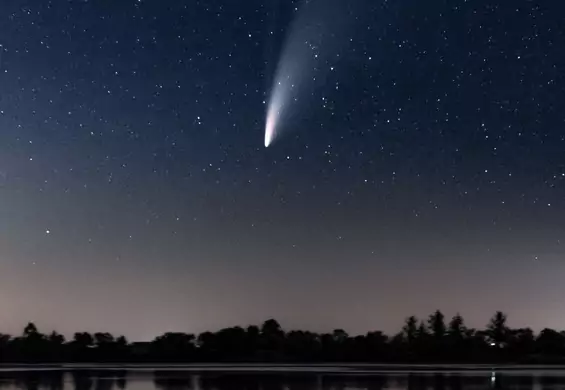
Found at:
[175, 380]
[106, 379]
[60, 380]
[32, 380]
[389, 381]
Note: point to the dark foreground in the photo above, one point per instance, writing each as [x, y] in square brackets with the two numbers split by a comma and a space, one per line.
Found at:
[229, 377]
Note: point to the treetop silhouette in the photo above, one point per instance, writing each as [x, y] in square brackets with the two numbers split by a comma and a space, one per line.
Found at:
[429, 340]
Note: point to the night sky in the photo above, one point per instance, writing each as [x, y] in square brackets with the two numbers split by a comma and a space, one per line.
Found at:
[426, 171]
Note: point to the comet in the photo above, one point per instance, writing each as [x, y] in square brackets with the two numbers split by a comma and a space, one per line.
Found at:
[312, 46]
[271, 122]
[276, 108]
[281, 97]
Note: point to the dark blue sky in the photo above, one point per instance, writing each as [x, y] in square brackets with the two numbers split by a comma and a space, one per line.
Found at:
[427, 170]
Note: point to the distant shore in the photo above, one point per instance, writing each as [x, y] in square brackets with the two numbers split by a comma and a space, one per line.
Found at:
[420, 345]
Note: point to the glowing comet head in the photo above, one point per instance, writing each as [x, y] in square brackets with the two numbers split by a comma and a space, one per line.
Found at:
[273, 115]
[270, 128]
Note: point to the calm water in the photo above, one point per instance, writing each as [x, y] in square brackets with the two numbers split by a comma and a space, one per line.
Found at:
[277, 378]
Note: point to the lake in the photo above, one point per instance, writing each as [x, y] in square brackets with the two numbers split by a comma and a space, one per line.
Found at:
[280, 377]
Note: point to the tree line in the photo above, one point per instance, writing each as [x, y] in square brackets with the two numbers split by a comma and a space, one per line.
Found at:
[432, 340]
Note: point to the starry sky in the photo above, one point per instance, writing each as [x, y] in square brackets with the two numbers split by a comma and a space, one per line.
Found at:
[426, 171]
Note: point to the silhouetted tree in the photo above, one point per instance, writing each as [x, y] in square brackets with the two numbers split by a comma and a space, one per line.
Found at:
[410, 329]
[272, 338]
[253, 341]
[56, 339]
[422, 342]
[436, 325]
[103, 339]
[174, 346]
[340, 335]
[32, 345]
[56, 346]
[80, 347]
[376, 345]
[302, 346]
[522, 343]
[456, 337]
[231, 343]
[438, 330]
[456, 327]
[271, 328]
[5, 341]
[122, 341]
[83, 339]
[497, 329]
[422, 332]
[551, 343]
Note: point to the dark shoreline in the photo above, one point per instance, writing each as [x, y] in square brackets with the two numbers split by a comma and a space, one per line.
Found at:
[337, 368]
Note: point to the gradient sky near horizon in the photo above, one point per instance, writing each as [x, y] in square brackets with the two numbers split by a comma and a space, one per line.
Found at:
[136, 196]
